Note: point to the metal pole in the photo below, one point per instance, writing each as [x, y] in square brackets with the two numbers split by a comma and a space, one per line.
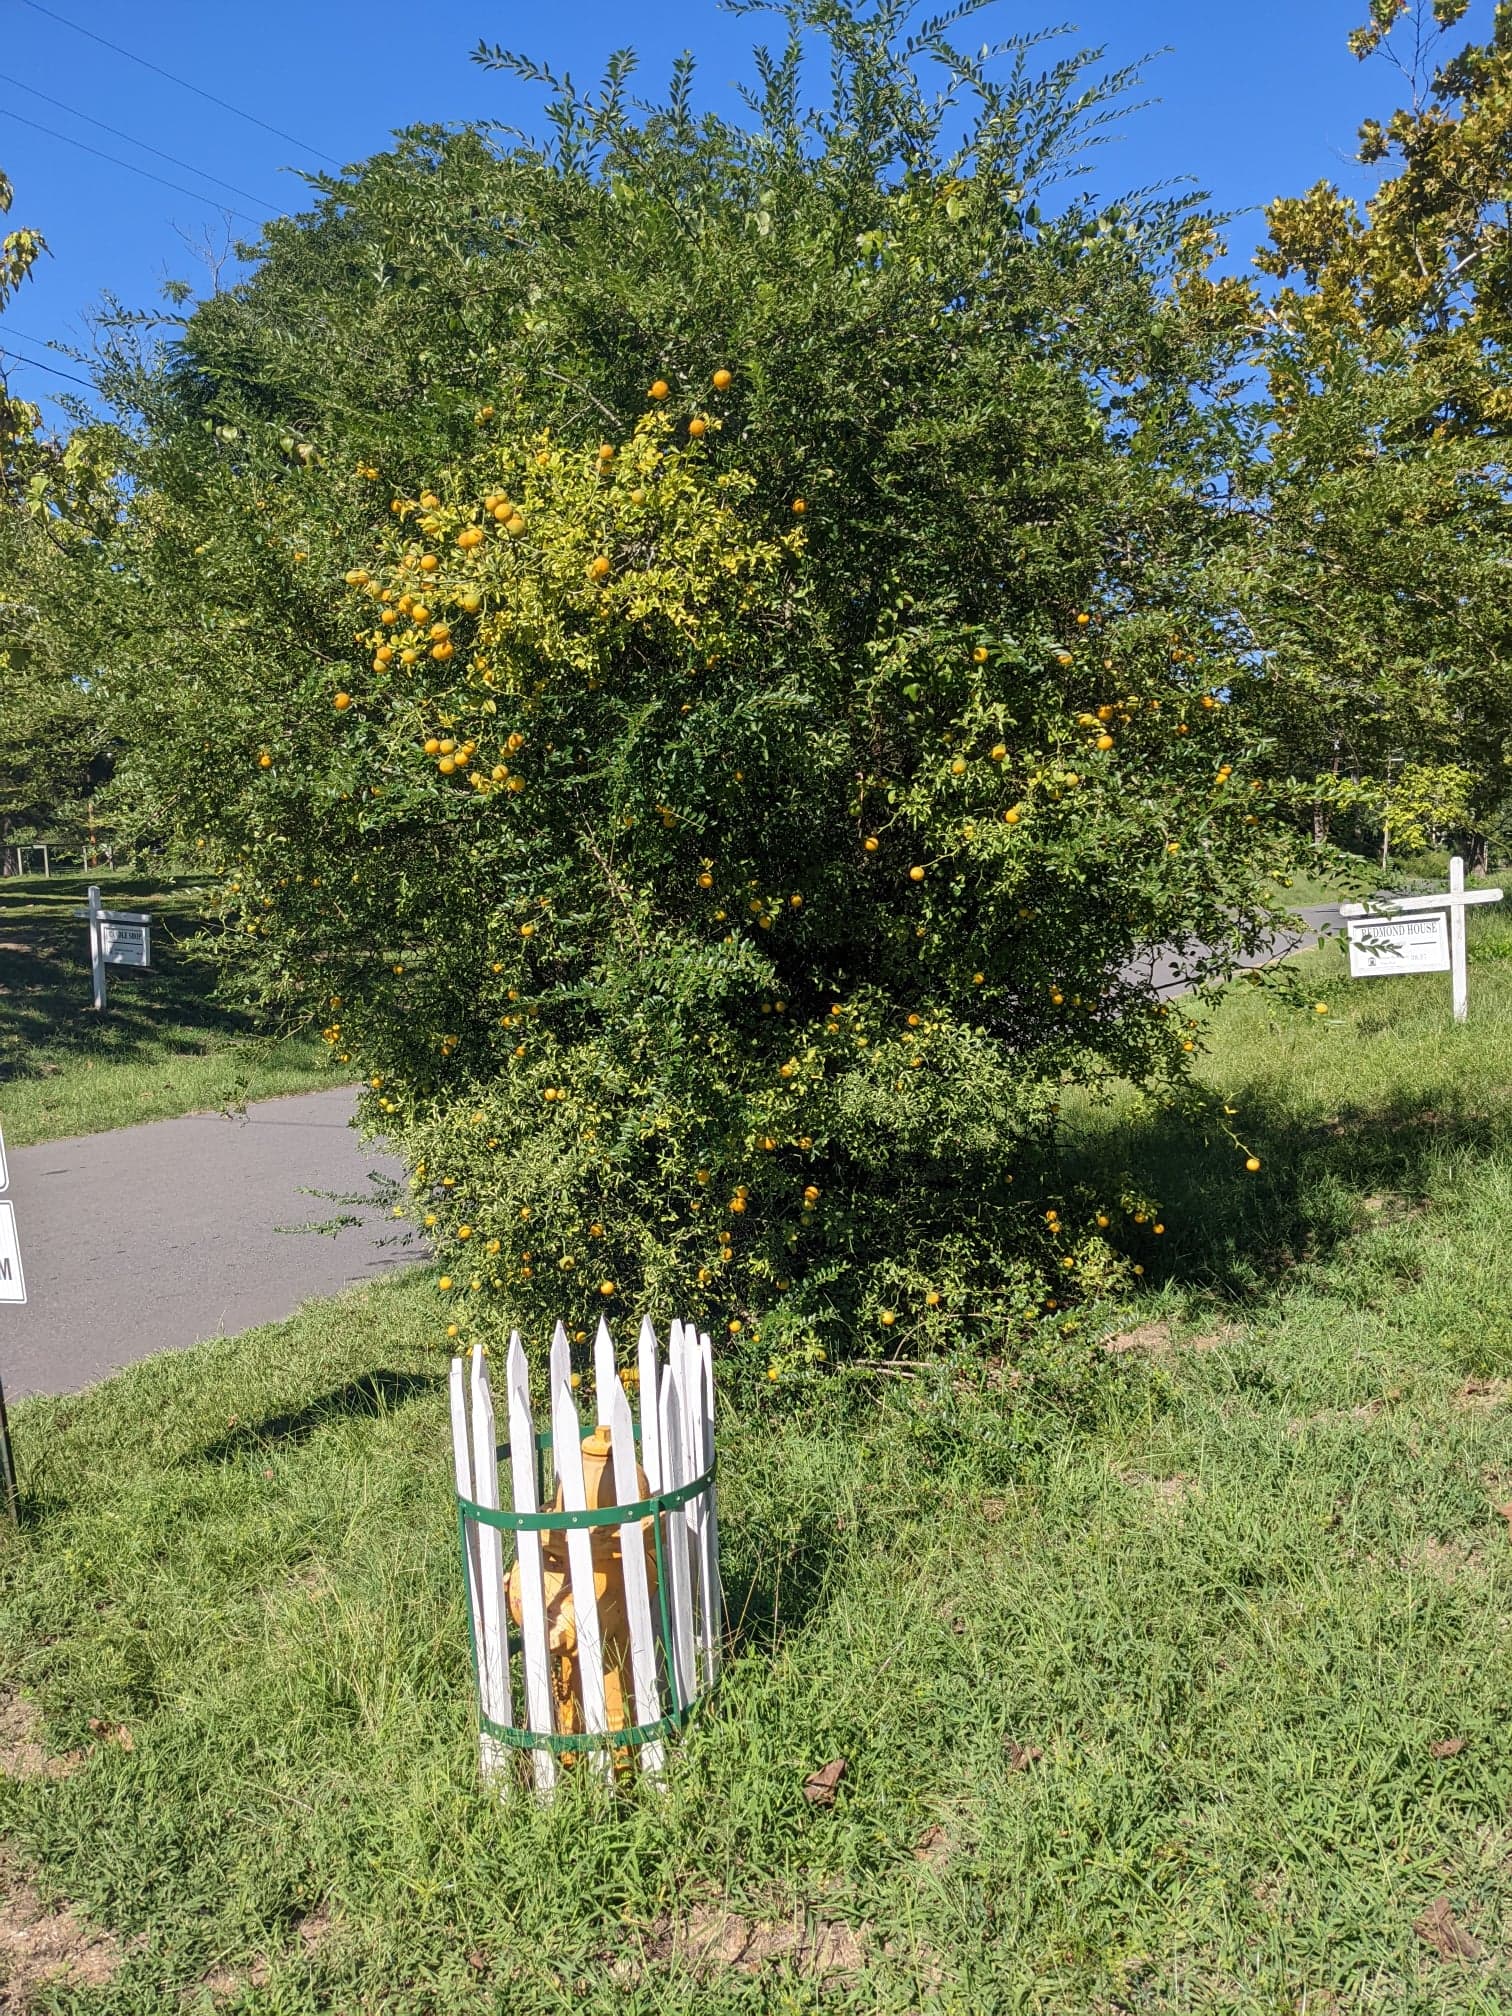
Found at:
[1457, 975]
[8, 1466]
[97, 948]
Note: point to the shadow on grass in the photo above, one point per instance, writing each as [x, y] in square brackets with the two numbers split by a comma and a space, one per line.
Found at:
[1323, 1177]
[370, 1395]
[46, 1017]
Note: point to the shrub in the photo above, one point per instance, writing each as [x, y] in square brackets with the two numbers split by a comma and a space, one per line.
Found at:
[814, 711]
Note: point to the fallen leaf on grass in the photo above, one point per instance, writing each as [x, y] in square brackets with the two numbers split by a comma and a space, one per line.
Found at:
[1437, 1928]
[820, 1786]
[932, 1846]
[478, 1960]
[116, 1733]
[1022, 1755]
[1447, 1746]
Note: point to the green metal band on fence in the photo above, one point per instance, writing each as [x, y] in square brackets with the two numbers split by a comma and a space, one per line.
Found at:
[603, 1515]
[614, 1739]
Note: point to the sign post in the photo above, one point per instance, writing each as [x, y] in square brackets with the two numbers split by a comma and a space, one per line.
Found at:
[12, 1289]
[116, 938]
[1417, 934]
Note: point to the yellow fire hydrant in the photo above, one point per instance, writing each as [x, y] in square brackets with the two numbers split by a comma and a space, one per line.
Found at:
[608, 1587]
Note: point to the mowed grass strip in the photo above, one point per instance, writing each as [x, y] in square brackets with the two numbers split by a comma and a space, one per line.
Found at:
[165, 1045]
[1194, 1702]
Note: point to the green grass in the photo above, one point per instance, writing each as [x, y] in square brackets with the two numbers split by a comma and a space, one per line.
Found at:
[164, 1046]
[1235, 1603]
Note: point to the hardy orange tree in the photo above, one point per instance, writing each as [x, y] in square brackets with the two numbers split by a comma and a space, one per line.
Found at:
[689, 647]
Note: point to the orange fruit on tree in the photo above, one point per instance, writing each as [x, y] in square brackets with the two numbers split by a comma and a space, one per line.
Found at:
[916, 874]
[341, 702]
[979, 656]
[799, 507]
[659, 390]
[722, 380]
[599, 568]
[698, 428]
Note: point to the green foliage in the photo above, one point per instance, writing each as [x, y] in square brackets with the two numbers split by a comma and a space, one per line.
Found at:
[837, 826]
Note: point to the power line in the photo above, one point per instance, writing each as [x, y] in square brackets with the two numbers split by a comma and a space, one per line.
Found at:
[35, 364]
[183, 83]
[131, 167]
[131, 139]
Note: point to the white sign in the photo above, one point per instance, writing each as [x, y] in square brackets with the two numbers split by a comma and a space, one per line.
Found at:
[1403, 953]
[125, 944]
[1398, 945]
[12, 1285]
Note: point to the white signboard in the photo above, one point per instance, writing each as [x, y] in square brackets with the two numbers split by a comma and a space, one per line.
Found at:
[12, 1285]
[125, 944]
[1398, 945]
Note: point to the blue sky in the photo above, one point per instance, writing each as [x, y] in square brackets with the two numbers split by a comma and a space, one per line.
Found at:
[1249, 102]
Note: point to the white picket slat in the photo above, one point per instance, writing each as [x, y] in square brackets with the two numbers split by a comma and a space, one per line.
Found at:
[713, 1610]
[650, 1419]
[637, 1582]
[493, 1649]
[462, 1475]
[605, 1378]
[684, 1357]
[675, 1545]
[535, 1653]
[566, 1438]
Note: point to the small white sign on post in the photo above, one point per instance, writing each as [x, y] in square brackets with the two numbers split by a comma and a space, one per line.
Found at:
[1417, 934]
[1398, 945]
[116, 938]
[12, 1281]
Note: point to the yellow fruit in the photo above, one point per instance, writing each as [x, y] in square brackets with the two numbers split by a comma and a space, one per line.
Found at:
[871, 843]
[447, 765]
[419, 613]
[356, 579]
[265, 761]
[916, 874]
[606, 453]
[1084, 618]
[515, 526]
[978, 979]
[698, 428]
[706, 881]
[659, 390]
[599, 568]
[1105, 741]
[442, 651]
[432, 746]
[527, 930]
[958, 767]
[979, 656]
[722, 380]
[799, 507]
[341, 702]
[445, 1281]
[1011, 816]
[606, 1287]
[1320, 1007]
[1063, 657]
[1252, 1163]
[887, 1318]
[428, 563]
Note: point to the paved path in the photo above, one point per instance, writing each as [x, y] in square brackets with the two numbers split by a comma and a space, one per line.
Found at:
[154, 1237]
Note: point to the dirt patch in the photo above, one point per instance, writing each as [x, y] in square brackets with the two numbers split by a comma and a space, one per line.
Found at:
[43, 1944]
[1153, 1339]
[1337, 1417]
[22, 1753]
[1478, 1395]
[711, 1939]
[1444, 1560]
[221, 1983]
[1161, 1490]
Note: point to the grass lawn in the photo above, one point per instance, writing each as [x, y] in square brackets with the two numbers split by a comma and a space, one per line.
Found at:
[163, 1046]
[1196, 1701]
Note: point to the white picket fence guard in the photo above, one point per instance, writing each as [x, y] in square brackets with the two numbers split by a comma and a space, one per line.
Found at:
[650, 1564]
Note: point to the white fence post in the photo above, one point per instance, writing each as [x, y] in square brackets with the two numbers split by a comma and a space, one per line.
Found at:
[493, 1645]
[535, 1656]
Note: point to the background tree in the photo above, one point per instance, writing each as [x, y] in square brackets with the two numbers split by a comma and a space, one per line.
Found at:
[1377, 594]
[693, 645]
[55, 505]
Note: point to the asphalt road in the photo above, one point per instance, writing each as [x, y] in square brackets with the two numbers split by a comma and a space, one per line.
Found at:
[155, 1237]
